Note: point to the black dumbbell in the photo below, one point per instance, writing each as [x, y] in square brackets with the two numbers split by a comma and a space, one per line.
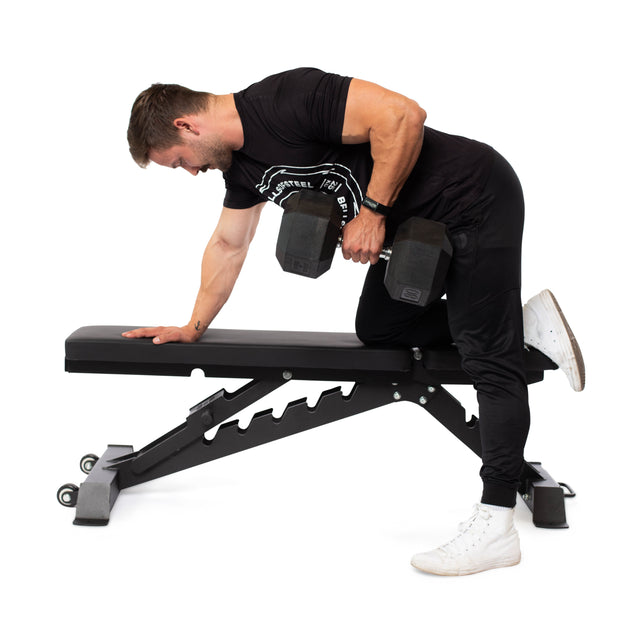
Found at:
[310, 232]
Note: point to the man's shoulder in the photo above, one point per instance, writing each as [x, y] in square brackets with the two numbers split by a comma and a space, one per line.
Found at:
[300, 78]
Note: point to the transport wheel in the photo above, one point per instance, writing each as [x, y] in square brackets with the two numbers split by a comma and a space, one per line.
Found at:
[88, 462]
[68, 495]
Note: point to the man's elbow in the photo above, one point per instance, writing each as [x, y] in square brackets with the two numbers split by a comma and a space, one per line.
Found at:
[415, 114]
[231, 249]
[408, 115]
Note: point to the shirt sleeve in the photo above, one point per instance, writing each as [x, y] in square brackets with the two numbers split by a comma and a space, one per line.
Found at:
[238, 198]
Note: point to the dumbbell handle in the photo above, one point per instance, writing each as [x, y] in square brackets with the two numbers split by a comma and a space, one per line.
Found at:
[385, 254]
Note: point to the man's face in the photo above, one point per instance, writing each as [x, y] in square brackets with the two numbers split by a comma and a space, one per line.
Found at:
[195, 156]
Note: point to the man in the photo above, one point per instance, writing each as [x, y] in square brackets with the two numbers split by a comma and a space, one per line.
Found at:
[306, 129]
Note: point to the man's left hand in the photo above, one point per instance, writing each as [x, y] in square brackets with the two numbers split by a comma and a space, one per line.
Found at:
[363, 237]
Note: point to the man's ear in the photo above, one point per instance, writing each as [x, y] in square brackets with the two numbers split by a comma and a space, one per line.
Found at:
[186, 125]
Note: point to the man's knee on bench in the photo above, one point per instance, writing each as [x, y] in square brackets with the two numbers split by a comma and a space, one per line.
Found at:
[429, 329]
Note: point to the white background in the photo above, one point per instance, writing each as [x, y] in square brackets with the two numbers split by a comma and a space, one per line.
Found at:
[309, 537]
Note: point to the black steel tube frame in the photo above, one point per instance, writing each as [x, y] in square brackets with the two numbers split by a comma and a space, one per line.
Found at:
[189, 444]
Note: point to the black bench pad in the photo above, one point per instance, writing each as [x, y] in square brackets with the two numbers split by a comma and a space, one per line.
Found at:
[239, 353]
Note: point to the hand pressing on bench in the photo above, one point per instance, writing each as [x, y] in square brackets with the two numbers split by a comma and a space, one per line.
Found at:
[161, 335]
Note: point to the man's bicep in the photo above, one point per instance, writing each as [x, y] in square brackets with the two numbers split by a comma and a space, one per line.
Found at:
[236, 227]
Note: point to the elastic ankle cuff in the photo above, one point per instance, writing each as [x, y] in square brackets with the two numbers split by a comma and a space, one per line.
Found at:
[499, 496]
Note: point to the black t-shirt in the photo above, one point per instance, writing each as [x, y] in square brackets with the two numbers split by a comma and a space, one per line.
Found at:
[292, 125]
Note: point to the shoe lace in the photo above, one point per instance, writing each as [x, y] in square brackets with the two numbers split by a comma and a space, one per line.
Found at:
[469, 532]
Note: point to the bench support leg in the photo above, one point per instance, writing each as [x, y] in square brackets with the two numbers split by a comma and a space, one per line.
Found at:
[188, 445]
[540, 492]
[544, 496]
[97, 494]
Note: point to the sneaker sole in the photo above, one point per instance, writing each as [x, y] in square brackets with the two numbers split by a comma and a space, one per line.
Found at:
[466, 572]
[572, 354]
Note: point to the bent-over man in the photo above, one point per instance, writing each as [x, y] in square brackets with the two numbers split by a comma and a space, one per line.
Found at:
[368, 146]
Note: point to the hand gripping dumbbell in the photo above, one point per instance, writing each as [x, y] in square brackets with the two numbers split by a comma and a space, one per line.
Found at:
[417, 261]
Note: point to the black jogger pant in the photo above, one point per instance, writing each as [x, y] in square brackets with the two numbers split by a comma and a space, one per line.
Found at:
[482, 314]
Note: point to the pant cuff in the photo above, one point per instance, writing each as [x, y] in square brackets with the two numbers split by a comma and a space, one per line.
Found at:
[499, 495]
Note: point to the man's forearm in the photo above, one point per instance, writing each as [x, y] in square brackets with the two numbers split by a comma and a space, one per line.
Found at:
[221, 266]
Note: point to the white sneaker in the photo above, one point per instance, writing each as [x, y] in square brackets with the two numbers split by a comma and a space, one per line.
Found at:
[487, 540]
[546, 329]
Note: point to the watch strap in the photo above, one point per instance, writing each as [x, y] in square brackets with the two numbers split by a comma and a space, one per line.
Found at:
[376, 207]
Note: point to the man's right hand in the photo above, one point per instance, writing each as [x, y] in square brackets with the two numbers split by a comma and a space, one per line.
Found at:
[161, 335]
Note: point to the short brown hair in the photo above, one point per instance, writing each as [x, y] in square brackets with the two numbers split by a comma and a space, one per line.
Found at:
[152, 115]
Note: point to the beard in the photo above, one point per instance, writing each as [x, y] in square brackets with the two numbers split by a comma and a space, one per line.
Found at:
[214, 155]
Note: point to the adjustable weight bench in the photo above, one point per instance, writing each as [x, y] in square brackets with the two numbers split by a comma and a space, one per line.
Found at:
[381, 376]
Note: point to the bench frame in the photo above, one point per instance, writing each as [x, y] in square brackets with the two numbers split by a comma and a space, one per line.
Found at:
[191, 443]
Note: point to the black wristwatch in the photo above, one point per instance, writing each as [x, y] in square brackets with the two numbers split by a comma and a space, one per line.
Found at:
[376, 207]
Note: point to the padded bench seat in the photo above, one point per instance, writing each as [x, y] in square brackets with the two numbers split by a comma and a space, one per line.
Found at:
[265, 355]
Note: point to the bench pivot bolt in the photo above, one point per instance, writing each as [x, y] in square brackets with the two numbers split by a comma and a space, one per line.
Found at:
[206, 419]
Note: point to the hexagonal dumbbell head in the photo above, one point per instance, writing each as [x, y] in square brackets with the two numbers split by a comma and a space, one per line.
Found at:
[309, 233]
[419, 262]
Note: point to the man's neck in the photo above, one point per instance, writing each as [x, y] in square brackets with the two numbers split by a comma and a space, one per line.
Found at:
[223, 113]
